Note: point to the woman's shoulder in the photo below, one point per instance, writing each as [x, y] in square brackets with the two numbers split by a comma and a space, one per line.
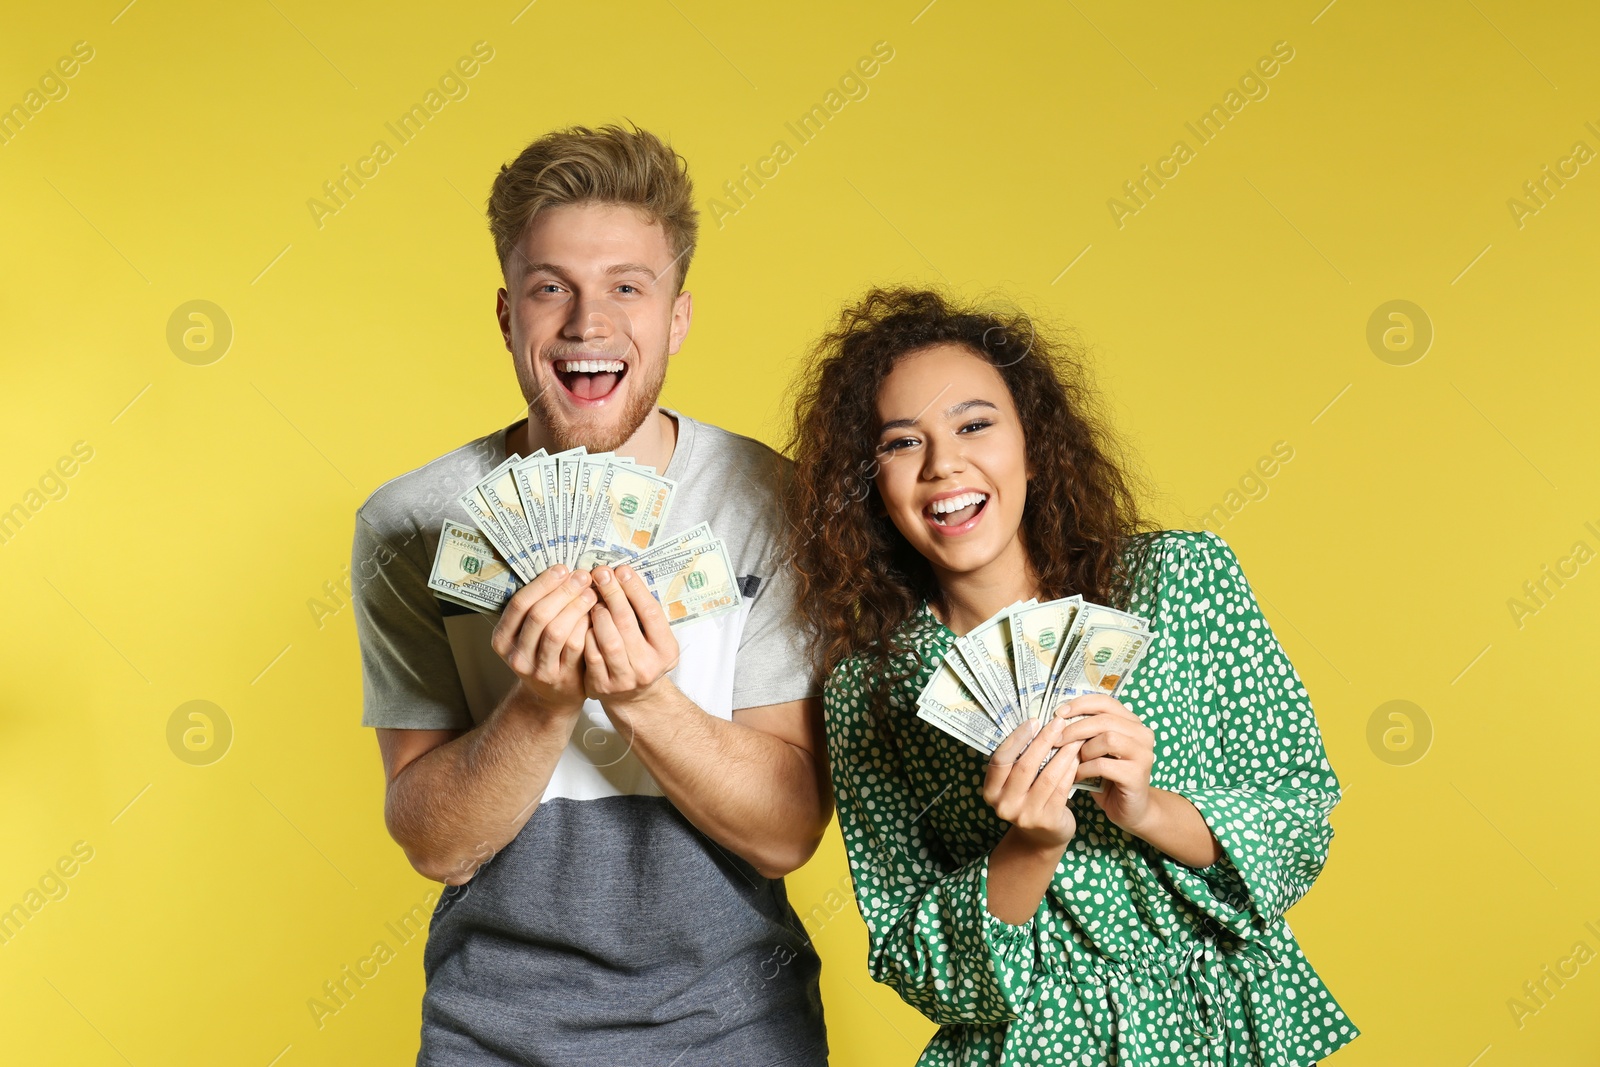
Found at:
[910, 642]
[1165, 555]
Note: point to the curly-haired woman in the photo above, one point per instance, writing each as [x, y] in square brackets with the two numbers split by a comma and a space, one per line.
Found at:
[1139, 925]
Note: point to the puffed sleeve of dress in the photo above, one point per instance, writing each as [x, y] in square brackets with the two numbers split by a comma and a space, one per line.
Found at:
[1264, 785]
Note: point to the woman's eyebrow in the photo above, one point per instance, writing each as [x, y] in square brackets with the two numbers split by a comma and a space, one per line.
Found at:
[949, 413]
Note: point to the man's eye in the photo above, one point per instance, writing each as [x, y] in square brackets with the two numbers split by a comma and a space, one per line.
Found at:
[627, 288]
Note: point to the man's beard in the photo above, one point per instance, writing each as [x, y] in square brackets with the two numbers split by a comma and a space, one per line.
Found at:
[599, 432]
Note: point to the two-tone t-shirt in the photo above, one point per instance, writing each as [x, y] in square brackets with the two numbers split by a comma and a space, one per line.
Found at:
[609, 930]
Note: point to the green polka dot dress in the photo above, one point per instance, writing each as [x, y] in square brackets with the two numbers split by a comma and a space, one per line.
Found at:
[1133, 958]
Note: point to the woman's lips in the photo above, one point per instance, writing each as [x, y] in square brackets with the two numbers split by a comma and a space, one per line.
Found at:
[962, 526]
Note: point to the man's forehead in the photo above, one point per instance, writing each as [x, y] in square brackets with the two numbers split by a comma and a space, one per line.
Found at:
[593, 240]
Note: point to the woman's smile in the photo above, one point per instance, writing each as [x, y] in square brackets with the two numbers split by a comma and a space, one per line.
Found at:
[956, 512]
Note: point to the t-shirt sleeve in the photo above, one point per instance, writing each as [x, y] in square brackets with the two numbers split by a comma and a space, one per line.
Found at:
[409, 679]
[775, 665]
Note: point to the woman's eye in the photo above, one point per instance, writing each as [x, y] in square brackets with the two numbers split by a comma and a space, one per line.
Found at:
[976, 424]
[897, 444]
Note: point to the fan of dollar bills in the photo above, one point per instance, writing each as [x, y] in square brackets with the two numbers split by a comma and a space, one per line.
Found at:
[583, 510]
[1025, 661]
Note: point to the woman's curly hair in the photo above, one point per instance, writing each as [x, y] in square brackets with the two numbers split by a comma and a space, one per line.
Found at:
[859, 579]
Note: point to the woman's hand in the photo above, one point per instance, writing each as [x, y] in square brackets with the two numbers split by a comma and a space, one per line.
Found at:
[1118, 749]
[1028, 793]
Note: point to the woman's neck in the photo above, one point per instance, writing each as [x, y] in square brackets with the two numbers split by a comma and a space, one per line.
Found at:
[971, 597]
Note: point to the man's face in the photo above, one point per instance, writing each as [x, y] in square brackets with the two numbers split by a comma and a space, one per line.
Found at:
[590, 314]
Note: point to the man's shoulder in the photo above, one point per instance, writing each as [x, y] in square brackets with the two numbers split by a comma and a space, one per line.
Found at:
[720, 452]
[427, 492]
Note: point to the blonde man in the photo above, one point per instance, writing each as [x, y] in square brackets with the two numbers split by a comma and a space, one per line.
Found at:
[612, 803]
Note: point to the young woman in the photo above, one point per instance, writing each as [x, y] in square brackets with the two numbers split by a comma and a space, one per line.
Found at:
[1142, 925]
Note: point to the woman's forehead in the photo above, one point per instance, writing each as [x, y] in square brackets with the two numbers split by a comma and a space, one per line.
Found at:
[933, 379]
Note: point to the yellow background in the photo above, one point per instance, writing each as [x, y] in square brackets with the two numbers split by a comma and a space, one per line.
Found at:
[1227, 315]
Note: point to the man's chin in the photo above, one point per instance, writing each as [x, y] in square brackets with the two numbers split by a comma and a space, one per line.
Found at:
[598, 431]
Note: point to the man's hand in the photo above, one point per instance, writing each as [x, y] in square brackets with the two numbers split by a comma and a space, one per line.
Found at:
[629, 648]
[541, 636]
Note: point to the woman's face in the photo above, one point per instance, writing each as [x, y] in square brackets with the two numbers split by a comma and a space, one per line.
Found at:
[953, 469]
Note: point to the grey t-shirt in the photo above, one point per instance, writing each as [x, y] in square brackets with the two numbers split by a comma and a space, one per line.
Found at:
[610, 930]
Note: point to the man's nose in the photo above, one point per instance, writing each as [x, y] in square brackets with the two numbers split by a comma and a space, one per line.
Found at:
[590, 318]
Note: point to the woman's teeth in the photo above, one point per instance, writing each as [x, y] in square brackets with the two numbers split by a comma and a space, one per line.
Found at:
[950, 505]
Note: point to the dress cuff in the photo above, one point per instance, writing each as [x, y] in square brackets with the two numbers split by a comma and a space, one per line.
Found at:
[1005, 939]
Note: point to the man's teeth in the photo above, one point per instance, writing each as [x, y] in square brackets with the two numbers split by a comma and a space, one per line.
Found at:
[956, 503]
[589, 366]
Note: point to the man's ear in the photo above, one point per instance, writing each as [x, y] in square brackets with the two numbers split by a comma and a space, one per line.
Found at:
[502, 312]
[678, 329]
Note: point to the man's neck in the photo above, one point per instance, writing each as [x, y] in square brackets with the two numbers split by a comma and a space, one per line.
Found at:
[652, 444]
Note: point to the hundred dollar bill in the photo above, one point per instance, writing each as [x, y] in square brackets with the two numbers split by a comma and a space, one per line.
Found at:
[535, 508]
[1090, 617]
[692, 538]
[958, 665]
[557, 505]
[1038, 633]
[500, 491]
[630, 507]
[467, 570]
[483, 514]
[987, 650]
[591, 468]
[695, 583]
[947, 703]
[1100, 662]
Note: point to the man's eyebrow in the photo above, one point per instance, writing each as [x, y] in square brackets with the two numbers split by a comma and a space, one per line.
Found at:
[615, 268]
[950, 412]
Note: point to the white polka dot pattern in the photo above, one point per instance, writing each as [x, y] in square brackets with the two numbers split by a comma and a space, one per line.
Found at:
[1132, 959]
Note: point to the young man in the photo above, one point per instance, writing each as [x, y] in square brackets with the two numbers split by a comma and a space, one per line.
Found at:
[613, 802]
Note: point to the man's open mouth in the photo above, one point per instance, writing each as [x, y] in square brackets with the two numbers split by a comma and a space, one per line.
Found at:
[590, 379]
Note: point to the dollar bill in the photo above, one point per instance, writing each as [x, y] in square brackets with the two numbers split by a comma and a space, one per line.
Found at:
[1090, 616]
[694, 583]
[1038, 633]
[630, 507]
[500, 492]
[692, 538]
[947, 703]
[957, 664]
[590, 470]
[987, 650]
[485, 515]
[468, 571]
[530, 482]
[1100, 663]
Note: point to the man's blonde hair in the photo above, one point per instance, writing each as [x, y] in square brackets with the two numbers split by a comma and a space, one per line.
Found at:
[611, 165]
